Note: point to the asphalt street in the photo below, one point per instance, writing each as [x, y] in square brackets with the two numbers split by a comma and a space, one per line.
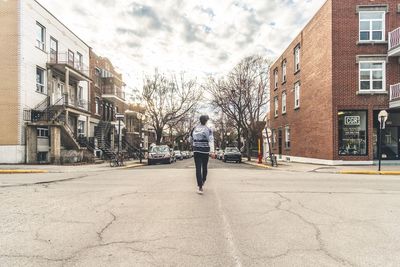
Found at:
[152, 216]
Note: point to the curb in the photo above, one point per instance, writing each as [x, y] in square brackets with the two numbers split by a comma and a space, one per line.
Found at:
[22, 171]
[371, 172]
[257, 165]
[133, 166]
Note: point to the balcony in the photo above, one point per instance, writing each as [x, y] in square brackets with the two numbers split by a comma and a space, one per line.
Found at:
[70, 101]
[113, 93]
[60, 62]
[394, 43]
[394, 96]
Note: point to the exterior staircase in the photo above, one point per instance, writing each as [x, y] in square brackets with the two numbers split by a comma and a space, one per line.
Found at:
[54, 115]
[101, 133]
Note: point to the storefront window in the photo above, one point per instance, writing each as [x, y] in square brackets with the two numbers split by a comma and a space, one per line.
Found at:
[353, 133]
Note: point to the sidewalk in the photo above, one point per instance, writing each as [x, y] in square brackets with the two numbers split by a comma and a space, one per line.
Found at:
[38, 168]
[304, 167]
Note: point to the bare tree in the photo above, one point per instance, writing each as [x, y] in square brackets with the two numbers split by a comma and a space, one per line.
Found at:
[243, 96]
[168, 99]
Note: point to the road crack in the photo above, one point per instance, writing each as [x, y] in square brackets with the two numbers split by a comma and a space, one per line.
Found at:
[100, 234]
[45, 183]
[318, 234]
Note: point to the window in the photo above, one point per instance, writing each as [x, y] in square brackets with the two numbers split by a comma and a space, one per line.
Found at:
[40, 36]
[297, 95]
[287, 137]
[372, 26]
[276, 78]
[276, 106]
[40, 80]
[284, 103]
[43, 132]
[81, 128]
[273, 137]
[97, 78]
[352, 133]
[297, 58]
[42, 157]
[284, 71]
[80, 61]
[97, 105]
[71, 58]
[372, 76]
[80, 93]
[53, 50]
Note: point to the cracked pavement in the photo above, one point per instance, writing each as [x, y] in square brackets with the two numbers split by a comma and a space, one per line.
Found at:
[151, 216]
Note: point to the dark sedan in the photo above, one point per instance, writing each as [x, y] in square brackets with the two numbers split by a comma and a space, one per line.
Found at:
[232, 154]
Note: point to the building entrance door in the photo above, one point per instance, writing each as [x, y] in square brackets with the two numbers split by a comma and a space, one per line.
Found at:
[390, 143]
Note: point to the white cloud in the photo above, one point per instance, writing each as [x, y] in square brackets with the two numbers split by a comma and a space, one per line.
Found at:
[195, 36]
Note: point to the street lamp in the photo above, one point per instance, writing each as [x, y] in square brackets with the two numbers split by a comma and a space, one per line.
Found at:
[382, 118]
[227, 139]
[140, 117]
[119, 117]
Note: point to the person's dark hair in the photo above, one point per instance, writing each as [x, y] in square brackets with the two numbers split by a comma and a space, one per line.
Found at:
[204, 119]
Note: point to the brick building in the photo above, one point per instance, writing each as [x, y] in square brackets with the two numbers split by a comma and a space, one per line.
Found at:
[58, 99]
[44, 93]
[107, 92]
[329, 85]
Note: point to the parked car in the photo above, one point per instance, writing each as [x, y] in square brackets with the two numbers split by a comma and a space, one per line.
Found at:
[220, 154]
[188, 154]
[173, 156]
[160, 154]
[184, 155]
[178, 154]
[232, 154]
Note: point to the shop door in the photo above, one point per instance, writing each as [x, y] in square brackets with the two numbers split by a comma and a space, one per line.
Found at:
[390, 143]
[280, 142]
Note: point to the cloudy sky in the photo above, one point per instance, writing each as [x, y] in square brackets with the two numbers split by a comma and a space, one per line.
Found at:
[196, 36]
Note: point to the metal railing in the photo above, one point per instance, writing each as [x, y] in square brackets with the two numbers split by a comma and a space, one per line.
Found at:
[62, 58]
[395, 92]
[112, 90]
[69, 101]
[394, 38]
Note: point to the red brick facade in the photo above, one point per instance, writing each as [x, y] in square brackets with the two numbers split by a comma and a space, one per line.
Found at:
[106, 109]
[329, 80]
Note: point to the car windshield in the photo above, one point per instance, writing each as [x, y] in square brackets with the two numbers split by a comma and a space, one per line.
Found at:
[159, 149]
[232, 149]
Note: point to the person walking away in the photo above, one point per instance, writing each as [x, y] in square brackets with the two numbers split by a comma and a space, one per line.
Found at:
[202, 139]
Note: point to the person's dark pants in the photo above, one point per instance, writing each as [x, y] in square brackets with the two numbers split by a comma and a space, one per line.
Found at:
[201, 161]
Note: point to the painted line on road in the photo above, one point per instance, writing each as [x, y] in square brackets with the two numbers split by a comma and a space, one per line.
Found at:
[228, 233]
[22, 171]
[371, 172]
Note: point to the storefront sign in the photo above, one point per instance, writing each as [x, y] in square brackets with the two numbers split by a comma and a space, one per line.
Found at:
[352, 120]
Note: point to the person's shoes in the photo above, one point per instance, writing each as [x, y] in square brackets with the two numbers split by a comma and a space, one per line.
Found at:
[200, 191]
